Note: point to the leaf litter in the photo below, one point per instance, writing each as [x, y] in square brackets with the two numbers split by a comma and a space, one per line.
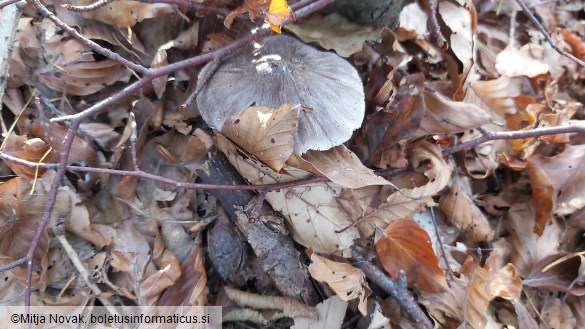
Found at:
[506, 247]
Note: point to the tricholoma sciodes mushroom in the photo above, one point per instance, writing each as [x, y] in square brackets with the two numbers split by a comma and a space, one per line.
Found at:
[282, 69]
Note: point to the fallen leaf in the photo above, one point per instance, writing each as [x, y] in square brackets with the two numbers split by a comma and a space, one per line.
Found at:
[343, 167]
[265, 133]
[406, 246]
[124, 14]
[557, 273]
[444, 116]
[346, 281]
[278, 13]
[254, 8]
[331, 313]
[334, 32]
[460, 209]
[512, 62]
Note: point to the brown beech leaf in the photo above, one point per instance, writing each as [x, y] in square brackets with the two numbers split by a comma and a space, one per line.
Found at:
[558, 272]
[477, 299]
[343, 167]
[444, 116]
[75, 72]
[168, 272]
[496, 96]
[254, 8]
[438, 172]
[331, 313]
[334, 32]
[557, 183]
[406, 246]
[513, 62]
[190, 288]
[527, 247]
[265, 133]
[460, 21]
[30, 149]
[458, 205]
[347, 281]
[384, 131]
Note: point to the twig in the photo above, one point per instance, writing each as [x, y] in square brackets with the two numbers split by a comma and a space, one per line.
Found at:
[440, 242]
[434, 27]
[396, 288]
[202, 82]
[133, 148]
[51, 199]
[487, 136]
[546, 35]
[81, 9]
[507, 135]
[76, 261]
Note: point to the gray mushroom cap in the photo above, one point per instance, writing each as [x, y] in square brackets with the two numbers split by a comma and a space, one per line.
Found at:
[282, 69]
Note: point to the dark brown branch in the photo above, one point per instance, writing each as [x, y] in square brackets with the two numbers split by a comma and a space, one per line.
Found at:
[396, 288]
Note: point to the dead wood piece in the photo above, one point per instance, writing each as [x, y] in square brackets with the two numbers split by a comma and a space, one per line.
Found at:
[274, 250]
[226, 250]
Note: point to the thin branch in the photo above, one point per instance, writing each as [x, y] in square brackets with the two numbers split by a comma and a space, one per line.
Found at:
[487, 136]
[507, 135]
[202, 82]
[398, 289]
[51, 199]
[434, 27]
[81, 9]
[546, 35]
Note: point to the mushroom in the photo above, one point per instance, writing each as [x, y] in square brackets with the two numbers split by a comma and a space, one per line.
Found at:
[282, 69]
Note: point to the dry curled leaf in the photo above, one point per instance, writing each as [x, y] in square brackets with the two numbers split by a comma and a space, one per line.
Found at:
[265, 133]
[334, 32]
[458, 205]
[343, 167]
[406, 246]
[345, 280]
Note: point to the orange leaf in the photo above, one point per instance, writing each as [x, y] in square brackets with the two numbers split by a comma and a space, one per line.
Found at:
[406, 246]
[277, 14]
